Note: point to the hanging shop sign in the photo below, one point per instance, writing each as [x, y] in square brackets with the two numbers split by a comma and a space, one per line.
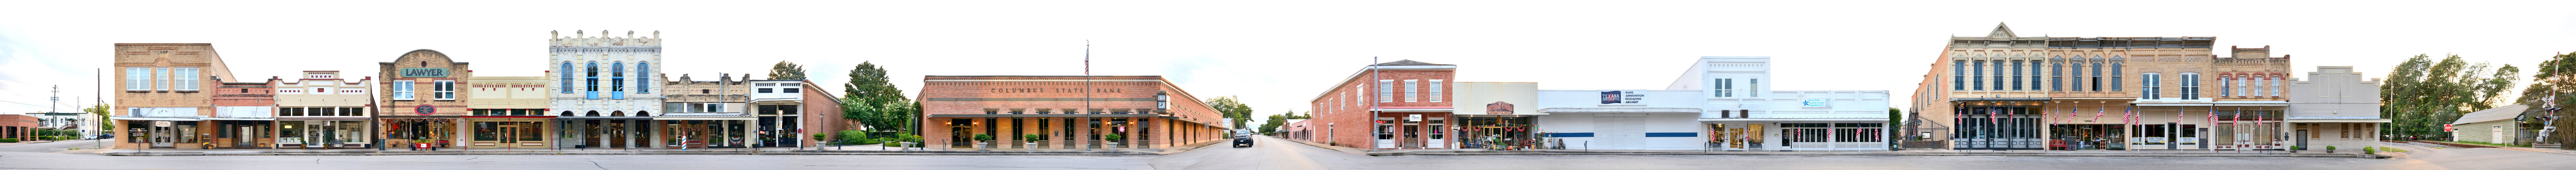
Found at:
[1623, 97]
[1498, 108]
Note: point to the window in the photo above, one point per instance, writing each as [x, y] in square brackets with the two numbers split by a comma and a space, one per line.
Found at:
[1724, 87]
[1385, 90]
[138, 78]
[567, 77]
[402, 89]
[1958, 75]
[1999, 75]
[444, 89]
[764, 90]
[616, 77]
[2034, 75]
[789, 90]
[2056, 78]
[2272, 86]
[2097, 77]
[643, 77]
[2115, 77]
[1434, 96]
[186, 78]
[352, 111]
[161, 78]
[290, 111]
[2191, 86]
[2147, 87]
[2226, 85]
[705, 91]
[1756, 86]
[1412, 92]
[1977, 76]
[591, 75]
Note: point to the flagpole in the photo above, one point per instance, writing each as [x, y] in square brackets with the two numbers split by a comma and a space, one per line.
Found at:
[1086, 88]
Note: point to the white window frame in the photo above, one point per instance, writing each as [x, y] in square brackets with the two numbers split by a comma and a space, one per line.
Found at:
[1753, 87]
[184, 78]
[2190, 86]
[402, 90]
[1435, 94]
[443, 89]
[138, 78]
[2150, 85]
[1412, 92]
[1723, 87]
[161, 78]
[1385, 91]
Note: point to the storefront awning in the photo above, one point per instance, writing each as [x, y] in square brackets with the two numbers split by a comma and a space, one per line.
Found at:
[1796, 119]
[220, 118]
[606, 117]
[321, 118]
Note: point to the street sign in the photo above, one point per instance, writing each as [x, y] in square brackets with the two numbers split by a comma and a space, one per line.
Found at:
[2447, 128]
[160, 123]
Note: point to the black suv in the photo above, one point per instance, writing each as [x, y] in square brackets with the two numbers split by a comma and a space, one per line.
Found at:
[1242, 141]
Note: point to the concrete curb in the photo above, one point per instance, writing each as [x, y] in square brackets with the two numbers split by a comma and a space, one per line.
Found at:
[1512, 153]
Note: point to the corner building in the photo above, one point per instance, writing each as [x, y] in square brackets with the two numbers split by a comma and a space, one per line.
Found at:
[2008, 92]
[1393, 105]
[165, 99]
[1066, 112]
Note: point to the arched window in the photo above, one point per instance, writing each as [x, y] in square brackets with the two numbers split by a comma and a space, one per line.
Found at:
[617, 80]
[567, 76]
[643, 77]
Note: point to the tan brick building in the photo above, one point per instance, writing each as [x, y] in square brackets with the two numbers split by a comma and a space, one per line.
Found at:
[164, 98]
[420, 101]
[707, 113]
[508, 112]
[1388, 106]
[2003, 91]
[1069, 112]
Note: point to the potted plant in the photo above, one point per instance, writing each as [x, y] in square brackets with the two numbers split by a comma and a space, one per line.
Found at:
[1113, 140]
[983, 142]
[2296, 148]
[2330, 148]
[2369, 150]
[1032, 141]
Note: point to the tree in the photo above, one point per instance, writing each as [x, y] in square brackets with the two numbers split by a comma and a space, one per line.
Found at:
[1894, 115]
[2546, 91]
[873, 101]
[1232, 108]
[1272, 124]
[2422, 94]
[101, 110]
[786, 71]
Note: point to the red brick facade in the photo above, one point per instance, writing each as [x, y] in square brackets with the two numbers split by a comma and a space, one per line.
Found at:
[1342, 116]
[985, 105]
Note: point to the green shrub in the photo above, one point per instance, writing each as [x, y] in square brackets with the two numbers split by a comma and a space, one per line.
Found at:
[8, 140]
[989, 137]
[1113, 137]
[1033, 138]
[2368, 150]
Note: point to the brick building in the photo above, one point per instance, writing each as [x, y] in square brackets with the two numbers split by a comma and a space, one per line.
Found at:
[420, 101]
[164, 98]
[822, 115]
[2003, 91]
[1068, 112]
[244, 115]
[1386, 106]
[325, 110]
[21, 127]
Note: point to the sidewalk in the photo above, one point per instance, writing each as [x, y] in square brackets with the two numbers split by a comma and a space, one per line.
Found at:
[1349, 150]
[843, 150]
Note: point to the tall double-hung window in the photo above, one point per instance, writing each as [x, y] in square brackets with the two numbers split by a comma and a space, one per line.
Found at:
[1412, 90]
[2034, 75]
[161, 78]
[402, 89]
[2226, 85]
[1755, 86]
[443, 89]
[2115, 76]
[2016, 75]
[1978, 75]
[1385, 91]
[1999, 75]
[2272, 86]
[1958, 75]
[567, 76]
[138, 78]
[590, 87]
[617, 80]
[2191, 86]
[2147, 87]
[2097, 77]
[1435, 94]
[644, 77]
[2056, 76]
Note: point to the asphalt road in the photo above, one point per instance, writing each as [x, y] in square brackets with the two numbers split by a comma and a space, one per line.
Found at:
[1272, 154]
[54, 146]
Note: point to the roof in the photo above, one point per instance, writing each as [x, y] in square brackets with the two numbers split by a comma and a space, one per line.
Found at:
[1408, 63]
[2499, 113]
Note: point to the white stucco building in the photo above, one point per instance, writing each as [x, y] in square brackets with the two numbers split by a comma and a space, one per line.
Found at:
[1741, 112]
[604, 88]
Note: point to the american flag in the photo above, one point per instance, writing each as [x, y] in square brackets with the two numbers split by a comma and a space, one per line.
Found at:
[2070, 113]
[2129, 115]
[1990, 115]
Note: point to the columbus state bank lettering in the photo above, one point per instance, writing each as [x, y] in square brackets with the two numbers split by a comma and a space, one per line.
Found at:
[1051, 90]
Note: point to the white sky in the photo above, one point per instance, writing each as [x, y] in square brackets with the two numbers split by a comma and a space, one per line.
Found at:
[1275, 54]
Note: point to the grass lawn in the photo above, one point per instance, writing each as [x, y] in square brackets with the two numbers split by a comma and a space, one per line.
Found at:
[2488, 144]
